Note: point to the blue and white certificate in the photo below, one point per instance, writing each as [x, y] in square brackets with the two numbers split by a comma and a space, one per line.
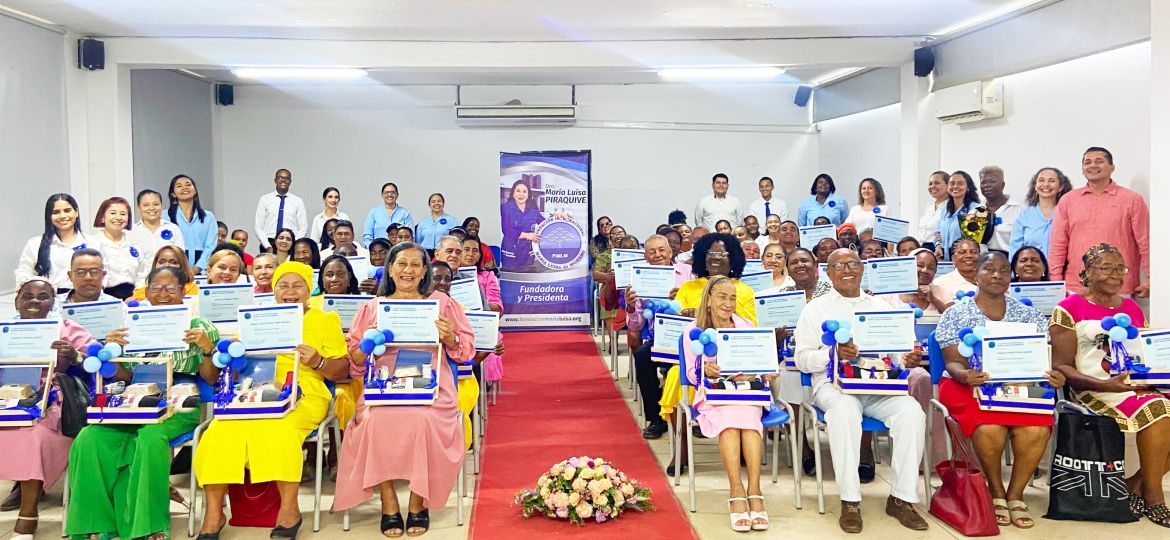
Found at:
[780, 309]
[1043, 294]
[466, 292]
[156, 329]
[22, 341]
[360, 266]
[623, 270]
[667, 331]
[887, 331]
[620, 254]
[412, 321]
[486, 326]
[264, 299]
[758, 281]
[823, 271]
[1156, 350]
[345, 305]
[652, 282]
[1016, 358]
[99, 318]
[888, 229]
[219, 303]
[271, 328]
[201, 280]
[752, 266]
[465, 272]
[809, 236]
[746, 350]
[944, 268]
[892, 275]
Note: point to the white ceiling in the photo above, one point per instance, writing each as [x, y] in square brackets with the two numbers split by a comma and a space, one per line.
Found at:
[511, 20]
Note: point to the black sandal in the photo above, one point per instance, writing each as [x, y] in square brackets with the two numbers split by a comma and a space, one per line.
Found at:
[1137, 505]
[420, 520]
[392, 523]
[1159, 514]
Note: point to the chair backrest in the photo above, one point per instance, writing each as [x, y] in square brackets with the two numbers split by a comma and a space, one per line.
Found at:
[937, 365]
[495, 254]
[683, 380]
[805, 379]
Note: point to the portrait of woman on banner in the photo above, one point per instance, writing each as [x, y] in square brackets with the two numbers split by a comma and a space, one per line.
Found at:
[520, 215]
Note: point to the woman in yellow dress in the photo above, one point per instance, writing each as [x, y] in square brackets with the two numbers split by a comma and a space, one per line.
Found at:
[271, 448]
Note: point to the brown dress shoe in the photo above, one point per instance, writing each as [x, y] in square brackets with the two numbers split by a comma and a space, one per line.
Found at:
[850, 520]
[905, 513]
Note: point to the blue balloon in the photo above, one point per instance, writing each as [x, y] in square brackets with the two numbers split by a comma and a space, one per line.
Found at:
[389, 335]
[842, 335]
[1117, 333]
[1026, 301]
[913, 305]
[710, 349]
[1122, 319]
[825, 325]
[846, 324]
[108, 369]
[959, 295]
[378, 338]
[379, 350]
[93, 348]
[704, 338]
[132, 303]
[91, 364]
[221, 360]
[114, 348]
[918, 313]
[981, 331]
[1108, 323]
[104, 355]
[676, 306]
[963, 332]
[970, 294]
[648, 313]
[238, 363]
[970, 340]
[1131, 332]
[694, 334]
[828, 339]
[965, 350]
[652, 305]
[223, 345]
[379, 273]
[237, 349]
[366, 345]
[877, 210]
[711, 333]
[696, 347]
[369, 334]
[370, 273]
[978, 348]
[832, 325]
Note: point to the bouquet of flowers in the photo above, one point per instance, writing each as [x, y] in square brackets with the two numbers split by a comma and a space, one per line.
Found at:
[583, 488]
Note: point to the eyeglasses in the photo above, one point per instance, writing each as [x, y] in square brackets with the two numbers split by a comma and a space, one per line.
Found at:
[170, 289]
[717, 254]
[851, 265]
[1114, 270]
[87, 272]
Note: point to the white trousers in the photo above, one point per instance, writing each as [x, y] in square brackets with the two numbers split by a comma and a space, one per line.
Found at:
[907, 423]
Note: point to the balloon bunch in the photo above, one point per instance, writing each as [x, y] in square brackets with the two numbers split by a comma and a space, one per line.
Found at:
[650, 308]
[960, 295]
[99, 358]
[971, 345]
[703, 342]
[228, 357]
[1120, 328]
[376, 273]
[373, 344]
[834, 332]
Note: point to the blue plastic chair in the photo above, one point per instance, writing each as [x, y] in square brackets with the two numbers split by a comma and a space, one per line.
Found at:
[937, 368]
[496, 254]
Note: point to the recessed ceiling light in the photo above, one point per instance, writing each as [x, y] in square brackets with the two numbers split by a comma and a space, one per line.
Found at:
[725, 73]
[299, 73]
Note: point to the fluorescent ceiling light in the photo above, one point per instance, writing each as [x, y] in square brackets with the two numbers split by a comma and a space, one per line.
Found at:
[836, 75]
[27, 15]
[191, 73]
[745, 73]
[299, 73]
[988, 17]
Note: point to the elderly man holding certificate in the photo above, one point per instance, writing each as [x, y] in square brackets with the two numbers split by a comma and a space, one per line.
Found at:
[843, 412]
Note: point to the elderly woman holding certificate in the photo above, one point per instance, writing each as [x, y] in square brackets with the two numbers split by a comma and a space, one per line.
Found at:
[738, 427]
[43, 448]
[1080, 348]
[120, 482]
[271, 448]
[420, 444]
[990, 431]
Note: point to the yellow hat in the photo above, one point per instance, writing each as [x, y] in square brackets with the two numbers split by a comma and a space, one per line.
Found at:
[294, 267]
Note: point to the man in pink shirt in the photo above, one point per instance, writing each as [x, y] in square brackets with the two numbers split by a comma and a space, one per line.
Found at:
[1102, 211]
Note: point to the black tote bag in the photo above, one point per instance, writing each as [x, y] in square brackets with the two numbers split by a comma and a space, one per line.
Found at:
[1088, 471]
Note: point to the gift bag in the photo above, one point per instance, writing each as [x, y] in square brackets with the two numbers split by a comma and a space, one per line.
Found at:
[963, 501]
[1088, 471]
[253, 505]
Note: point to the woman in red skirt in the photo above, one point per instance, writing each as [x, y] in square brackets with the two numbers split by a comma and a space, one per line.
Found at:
[990, 430]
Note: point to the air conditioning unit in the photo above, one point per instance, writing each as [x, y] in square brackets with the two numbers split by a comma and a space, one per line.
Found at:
[970, 102]
[515, 115]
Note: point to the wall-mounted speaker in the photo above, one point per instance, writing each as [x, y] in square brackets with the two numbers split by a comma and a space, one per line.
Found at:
[91, 54]
[225, 94]
[923, 61]
[803, 93]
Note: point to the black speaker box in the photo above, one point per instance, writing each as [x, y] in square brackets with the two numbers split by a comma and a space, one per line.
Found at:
[923, 61]
[225, 94]
[802, 94]
[91, 54]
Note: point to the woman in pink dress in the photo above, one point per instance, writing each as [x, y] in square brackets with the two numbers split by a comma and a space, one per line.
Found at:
[738, 427]
[420, 444]
[1079, 351]
[42, 447]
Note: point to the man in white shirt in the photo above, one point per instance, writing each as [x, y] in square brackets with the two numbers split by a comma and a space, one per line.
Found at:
[719, 205]
[766, 205]
[843, 412]
[280, 210]
[991, 184]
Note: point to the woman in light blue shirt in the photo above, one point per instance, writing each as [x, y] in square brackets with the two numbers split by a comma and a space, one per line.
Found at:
[433, 227]
[199, 228]
[822, 201]
[381, 217]
[963, 198]
[1034, 224]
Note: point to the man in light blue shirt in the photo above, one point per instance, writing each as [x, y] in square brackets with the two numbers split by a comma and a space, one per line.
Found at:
[382, 216]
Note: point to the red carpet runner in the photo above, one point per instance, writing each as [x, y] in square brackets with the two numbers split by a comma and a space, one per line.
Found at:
[559, 401]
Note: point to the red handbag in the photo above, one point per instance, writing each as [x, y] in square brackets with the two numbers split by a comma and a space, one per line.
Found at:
[253, 505]
[963, 501]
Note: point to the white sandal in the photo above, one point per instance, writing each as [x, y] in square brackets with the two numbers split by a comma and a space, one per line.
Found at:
[24, 536]
[738, 517]
[763, 514]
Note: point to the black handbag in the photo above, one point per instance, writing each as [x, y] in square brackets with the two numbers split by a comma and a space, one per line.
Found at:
[73, 394]
[1088, 471]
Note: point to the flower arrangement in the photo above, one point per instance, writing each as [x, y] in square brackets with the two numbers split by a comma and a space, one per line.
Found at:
[583, 488]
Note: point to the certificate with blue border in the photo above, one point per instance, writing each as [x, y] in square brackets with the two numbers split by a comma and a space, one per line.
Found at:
[99, 318]
[886, 331]
[652, 282]
[889, 229]
[892, 275]
[219, 303]
[486, 327]
[746, 350]
[667, 331]
[758, 281]
[156, 329]
[412, 321]
[809, 236]
[345, 305]
[29, 340]
[780, 309]
[271, 328]
[1156, 350]
[1043, 294]
[1016, 358]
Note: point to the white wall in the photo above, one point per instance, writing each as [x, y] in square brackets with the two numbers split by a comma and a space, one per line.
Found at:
[864, 145]
[357, 137]
[171, 115]
[33, 152]
[1053, 114]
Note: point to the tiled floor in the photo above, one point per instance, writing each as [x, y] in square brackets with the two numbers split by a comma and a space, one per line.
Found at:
[710, 520]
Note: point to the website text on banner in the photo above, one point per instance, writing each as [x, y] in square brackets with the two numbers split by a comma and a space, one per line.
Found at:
[544, 211]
